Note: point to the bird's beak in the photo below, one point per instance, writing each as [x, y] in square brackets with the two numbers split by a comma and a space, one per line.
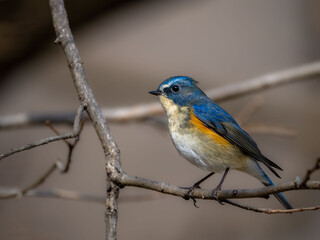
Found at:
[157, 92]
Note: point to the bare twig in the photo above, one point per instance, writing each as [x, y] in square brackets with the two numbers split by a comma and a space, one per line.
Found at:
[56, 165]
[36, 144]
[70, 145]
[145, 111]
[72, 195]
[271, 129]
[86, 98]
[44, 141]
[310, 172]
[16, 192]
[65, 194]
[249, 109]
[271, 211]
[252, 107]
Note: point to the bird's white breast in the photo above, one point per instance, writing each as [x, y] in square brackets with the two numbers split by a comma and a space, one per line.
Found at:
[186, 146]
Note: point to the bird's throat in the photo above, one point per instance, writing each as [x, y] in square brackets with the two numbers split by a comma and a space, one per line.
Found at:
[177, 115]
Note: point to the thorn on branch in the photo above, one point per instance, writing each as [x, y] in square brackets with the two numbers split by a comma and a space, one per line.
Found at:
[57, 41]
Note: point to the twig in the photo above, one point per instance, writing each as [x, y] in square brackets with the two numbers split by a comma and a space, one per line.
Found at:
[85, 197]
[71, 146]
[252, 107]
[86, 98]
[16, 192]
[271, 211]
[36, 144]
[249, 109]
[145, 111]
[65, 194]
[75, 196]
[47, 140]
[310, 172]
[56, 165]
[271, 129]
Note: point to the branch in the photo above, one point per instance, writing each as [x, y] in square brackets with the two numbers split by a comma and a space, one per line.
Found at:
[76, 128]
[223, 195]
[72, 195]
[145, 111]
[124, 179]
[71, 146]
[271, 211]
[127, 180]
[76, 196]
[36, 144]
[56, 165]
[86, 98]
[249, 109]
[272, 129]
[310, 172]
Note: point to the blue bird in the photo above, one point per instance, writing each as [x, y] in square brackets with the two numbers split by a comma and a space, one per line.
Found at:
[208, 137]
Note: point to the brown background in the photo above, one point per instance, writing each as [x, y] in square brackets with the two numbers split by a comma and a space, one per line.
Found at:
[127, 52]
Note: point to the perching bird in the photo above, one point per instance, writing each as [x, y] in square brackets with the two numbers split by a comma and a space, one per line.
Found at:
[207, 136]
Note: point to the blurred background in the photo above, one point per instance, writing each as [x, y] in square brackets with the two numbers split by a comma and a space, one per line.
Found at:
[129, 48]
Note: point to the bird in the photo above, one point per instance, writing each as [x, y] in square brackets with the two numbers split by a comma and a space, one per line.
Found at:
[209, 137]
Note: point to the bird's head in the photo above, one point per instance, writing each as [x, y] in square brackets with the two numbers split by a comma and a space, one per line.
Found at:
[178, 90]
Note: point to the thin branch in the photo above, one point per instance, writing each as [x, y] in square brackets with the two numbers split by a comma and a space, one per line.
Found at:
[57, 193]
[310, 172]
[127, 180]
[85, 197]
[271, 211]
[249, 109]
[36, 144]
[65, 194]
[271, 129]
[145, 111]
[56, 165]
[70, 145]
[16, 192]
[86, 98]
[47, 140]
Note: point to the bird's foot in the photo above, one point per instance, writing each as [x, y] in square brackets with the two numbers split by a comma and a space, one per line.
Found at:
[189, 194]
[215, 194]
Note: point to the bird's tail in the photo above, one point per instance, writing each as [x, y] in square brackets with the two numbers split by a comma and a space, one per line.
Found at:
[279, 196]
[256, 171]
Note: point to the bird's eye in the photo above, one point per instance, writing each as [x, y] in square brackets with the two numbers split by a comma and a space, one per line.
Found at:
[175, 88]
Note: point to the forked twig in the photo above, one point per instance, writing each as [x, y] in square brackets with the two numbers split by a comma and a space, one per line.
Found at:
[78, 126]
[310, 172]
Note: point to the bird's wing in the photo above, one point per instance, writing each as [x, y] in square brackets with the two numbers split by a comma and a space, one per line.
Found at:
[219, 121]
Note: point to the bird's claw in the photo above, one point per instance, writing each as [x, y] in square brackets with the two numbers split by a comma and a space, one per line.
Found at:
[189, 194]
[215, 195]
